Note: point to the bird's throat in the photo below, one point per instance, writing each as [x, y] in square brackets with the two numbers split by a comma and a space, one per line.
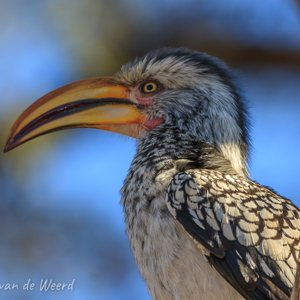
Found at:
[149, 124]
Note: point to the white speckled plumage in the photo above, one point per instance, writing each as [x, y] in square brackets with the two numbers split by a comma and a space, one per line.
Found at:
[170, 262]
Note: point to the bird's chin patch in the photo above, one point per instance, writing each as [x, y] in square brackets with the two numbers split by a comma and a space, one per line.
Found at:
[149, 124]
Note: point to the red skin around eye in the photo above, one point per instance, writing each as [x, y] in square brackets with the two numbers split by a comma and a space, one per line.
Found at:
[146, 100]
[143, 99]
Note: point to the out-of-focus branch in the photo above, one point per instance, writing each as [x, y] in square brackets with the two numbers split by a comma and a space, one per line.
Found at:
[237, 54]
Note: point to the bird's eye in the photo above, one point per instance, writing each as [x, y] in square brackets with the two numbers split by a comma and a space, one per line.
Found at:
[149, 87]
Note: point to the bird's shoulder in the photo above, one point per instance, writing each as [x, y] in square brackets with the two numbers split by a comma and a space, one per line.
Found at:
[251, 234]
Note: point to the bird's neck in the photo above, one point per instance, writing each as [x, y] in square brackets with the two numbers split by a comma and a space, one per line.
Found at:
[167, 146]
[164, 152]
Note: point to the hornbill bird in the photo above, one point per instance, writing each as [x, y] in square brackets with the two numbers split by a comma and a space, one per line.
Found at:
[198, 226]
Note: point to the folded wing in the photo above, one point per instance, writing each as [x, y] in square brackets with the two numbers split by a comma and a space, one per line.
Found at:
[251, 234]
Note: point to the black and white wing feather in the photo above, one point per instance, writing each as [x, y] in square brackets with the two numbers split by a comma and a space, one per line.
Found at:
[250, 234]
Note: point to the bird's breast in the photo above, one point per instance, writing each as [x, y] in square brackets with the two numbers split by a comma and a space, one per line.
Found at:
[168, 260]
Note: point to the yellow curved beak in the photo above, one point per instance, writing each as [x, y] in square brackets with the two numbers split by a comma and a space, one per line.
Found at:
[92, 103]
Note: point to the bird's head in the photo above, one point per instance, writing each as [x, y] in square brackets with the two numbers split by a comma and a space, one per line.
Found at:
[169, 87]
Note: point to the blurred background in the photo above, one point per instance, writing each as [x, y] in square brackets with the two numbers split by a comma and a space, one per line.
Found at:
[59, 212]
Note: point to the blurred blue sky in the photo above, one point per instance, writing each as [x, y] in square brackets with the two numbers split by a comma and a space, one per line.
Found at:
[72, 179]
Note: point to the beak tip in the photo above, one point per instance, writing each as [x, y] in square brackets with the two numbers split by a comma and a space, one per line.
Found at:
[5, 149]
[9, 146]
